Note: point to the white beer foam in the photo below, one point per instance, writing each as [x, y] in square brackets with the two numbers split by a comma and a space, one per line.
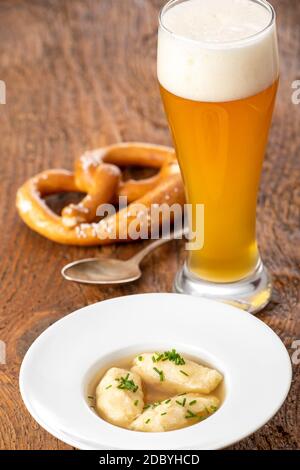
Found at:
[217, 50]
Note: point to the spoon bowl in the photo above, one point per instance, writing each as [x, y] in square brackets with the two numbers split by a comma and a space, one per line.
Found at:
[102, 271]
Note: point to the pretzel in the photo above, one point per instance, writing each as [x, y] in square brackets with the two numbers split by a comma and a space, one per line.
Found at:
[98, 174]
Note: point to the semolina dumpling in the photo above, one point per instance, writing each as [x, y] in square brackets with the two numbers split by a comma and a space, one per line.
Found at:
[119, 397]
[174, 374]
[176, 413]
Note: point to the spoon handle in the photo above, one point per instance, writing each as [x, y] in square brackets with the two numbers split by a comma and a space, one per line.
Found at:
[178, 234]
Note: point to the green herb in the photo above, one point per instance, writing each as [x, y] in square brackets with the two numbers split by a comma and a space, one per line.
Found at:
[158, 357]
[160, 373]
[193, 402]
[140, 358]
[167, 401]
[136, 403]
[173, 356]
[126, 384]
[148, 421]
[213, 408]
[190, 414]
[181, 394]
[184, 373]
[179, 403]
[109, 386]
[163, 414]
[146, 407]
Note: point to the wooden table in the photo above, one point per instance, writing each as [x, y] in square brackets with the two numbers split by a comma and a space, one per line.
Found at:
[80, 74]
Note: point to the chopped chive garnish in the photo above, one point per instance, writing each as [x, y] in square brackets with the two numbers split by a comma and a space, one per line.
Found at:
[179, 403]
[157, 358]
[181, 394]
[126, 384]
[213, 408]
[148, 421]
[146, 407]
[184, 373]
[109, 386]
[163, 414]
[175, 357]
[193, 402]
[140, 358]
[160, 373]
[172, 356]
[190, 414]
[167, 401]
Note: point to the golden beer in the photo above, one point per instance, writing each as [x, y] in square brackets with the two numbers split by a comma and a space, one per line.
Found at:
[220, 148]
[218, 71]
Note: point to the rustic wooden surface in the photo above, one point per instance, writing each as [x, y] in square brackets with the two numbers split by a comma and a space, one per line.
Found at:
[80, 74]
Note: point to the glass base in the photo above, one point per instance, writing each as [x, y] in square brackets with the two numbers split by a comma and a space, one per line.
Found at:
[252, 293]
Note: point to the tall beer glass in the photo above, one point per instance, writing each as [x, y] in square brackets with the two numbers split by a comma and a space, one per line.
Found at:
[218, 71]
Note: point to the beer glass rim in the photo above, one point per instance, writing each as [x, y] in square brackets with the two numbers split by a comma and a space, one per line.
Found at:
[235, 42]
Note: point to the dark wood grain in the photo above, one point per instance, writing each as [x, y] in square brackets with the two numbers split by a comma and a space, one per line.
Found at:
[81, 74]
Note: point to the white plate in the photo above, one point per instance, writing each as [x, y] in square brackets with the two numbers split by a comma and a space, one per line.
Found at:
[60, 363]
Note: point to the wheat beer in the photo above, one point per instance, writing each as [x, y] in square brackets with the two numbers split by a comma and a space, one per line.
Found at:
[218, 74]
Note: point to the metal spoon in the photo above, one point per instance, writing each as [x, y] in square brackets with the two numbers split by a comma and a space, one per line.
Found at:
[112, 271]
